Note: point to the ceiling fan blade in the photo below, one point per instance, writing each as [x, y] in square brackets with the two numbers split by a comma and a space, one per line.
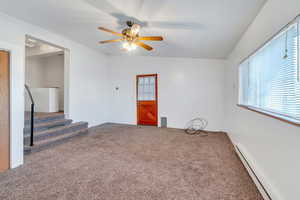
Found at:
[110, 31]
[108, 41]
[145, 46]
[151, 38]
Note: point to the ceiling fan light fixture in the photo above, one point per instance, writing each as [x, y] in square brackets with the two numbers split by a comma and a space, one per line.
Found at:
[135, 29]
[129, 46]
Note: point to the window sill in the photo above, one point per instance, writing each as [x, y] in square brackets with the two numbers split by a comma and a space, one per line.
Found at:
[272, 115]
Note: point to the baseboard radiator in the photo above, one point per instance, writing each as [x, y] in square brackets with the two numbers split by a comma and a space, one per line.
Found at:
[252, 174]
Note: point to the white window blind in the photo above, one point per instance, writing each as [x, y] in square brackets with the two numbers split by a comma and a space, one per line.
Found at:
[270, 78]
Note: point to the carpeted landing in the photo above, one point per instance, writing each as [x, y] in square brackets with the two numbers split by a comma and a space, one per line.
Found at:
[118, 162]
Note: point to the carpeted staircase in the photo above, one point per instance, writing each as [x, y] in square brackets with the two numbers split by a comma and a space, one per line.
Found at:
[50, 129]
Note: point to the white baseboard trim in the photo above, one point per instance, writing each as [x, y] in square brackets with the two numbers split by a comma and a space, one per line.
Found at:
[262, 189]
[263, 184]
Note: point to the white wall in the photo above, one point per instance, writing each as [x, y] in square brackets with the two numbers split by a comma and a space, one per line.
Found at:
[54, 75]
[34, 72]
[43, 72]
[272, 146]
[87, 81]
[187, 88]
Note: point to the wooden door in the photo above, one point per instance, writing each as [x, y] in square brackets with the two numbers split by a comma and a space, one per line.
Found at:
[147, 99]
[4, 111]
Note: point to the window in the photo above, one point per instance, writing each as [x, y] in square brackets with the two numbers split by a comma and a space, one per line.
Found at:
[146, 88]
[270, 78]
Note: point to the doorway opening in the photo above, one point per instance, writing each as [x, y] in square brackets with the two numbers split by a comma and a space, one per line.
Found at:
[147, 105]
[44, 75]
[46, 92]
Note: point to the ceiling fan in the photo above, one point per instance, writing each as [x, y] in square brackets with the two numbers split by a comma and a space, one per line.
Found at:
[130, 37]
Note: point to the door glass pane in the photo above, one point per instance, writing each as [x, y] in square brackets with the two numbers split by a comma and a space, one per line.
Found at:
[152, 80]
[152, 88]
[140, 92]
[146, 80]
[146, 88]
[141, 89]
[141, 81]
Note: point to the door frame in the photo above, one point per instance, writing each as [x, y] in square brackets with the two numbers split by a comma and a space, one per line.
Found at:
[156, 95]
[17, 75]
[9, 106]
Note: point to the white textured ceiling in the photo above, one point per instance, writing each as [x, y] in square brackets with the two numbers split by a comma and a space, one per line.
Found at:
[191, 28]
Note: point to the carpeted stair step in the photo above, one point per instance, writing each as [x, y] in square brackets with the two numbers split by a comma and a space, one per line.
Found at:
[53, 132]
[53, 141]
[43, 118]
[47, 125]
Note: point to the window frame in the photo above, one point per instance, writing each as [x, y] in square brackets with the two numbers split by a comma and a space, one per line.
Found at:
[273, 114]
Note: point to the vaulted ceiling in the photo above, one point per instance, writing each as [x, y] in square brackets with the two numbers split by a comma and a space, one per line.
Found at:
[191, 28]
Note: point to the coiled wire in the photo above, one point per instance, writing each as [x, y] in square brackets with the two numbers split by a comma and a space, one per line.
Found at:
[197, 126]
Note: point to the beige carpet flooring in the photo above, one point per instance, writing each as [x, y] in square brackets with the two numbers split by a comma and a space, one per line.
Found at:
[118, 162]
